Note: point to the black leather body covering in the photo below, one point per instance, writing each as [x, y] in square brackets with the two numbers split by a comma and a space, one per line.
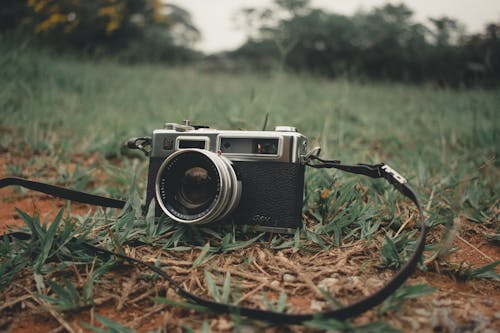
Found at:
[272, 192]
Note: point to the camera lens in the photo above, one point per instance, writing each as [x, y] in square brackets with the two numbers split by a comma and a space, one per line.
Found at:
[197, 186]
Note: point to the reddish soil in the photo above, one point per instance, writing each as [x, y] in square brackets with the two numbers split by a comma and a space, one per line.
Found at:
[471, 247]
[45, 206]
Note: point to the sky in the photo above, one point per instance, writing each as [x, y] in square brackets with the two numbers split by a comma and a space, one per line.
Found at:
[214, 18]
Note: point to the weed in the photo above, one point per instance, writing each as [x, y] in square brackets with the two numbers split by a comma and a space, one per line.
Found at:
[229, 244]
[346, 327]
[15, 170]
[406, 292]
[396, 251]
[67, 297]
[109, 326]
[205, 255]
[484, 272]
[77, 177]
[212, 287]
[11, 264]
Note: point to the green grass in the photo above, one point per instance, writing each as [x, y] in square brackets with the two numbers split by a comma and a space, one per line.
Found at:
[439, 138]
[80, 106]
[444, 141]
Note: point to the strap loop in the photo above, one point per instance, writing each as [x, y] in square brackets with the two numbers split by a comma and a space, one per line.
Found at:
[142, 143]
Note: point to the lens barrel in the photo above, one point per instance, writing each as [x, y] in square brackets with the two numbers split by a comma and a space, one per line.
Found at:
[197, 186]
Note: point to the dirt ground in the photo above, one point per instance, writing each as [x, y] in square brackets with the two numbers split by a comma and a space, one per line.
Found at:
[125, 296]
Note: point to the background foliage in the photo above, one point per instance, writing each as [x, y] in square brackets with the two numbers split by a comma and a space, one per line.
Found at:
[132, 30]
[383, 43]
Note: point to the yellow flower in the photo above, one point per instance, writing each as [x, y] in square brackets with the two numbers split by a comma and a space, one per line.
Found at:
[114, 14]
[37, 5]
[325, 193]
[50, 22]
[107, 11]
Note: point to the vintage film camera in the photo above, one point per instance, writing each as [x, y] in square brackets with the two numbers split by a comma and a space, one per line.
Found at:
[200, 175]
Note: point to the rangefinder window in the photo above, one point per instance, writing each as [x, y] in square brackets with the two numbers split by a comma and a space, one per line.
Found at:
[250, 146]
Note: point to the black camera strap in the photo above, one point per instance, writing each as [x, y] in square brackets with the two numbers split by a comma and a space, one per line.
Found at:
[351, 310]
[63, 192]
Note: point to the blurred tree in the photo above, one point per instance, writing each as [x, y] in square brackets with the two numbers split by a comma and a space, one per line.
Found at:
[482, 53]
[271, 23]
[321, 42]
[293, 7]
[383, 43]
[445, 35]
[108, 26]
[390, 41]
[446, 31]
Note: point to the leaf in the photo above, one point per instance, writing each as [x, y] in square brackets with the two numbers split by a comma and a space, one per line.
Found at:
[328, 324]
[5, 247]
[39, 282]
[204, 255]
[211, 232]
[33, 224]
[176, 237]
[49, 239]
[296, 240]
[74, 295]
[281, 306]
[184, 305]
[8, 270]
[150, 221]
[89, 284]
[334, 325]
[187, 329]
[111, 325]
[389, 253]
[315, 238]
[212, 287]
[68, 298]
[396, 300]
[241, 244]
[205, 328]
[486, 272]
[226, 240]
[226, 288]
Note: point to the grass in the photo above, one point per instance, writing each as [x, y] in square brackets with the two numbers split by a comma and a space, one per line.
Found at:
[441, 139]
[444, 141]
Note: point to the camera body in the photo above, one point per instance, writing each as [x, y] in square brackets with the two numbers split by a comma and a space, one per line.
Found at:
[200, 175]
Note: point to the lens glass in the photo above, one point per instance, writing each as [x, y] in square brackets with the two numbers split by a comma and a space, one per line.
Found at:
[189, 185]
[197, 188]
